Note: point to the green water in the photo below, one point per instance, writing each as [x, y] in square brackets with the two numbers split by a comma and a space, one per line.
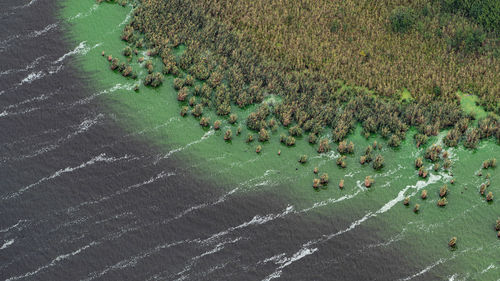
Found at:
[152, 115]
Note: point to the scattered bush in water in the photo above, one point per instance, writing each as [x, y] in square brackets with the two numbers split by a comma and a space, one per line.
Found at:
[420, 139]
[217, 124]
[316, 183]
[344, 148]
[263, 135]
[184, 111]
[179, 83]
[312, 138]
[406, 201]
[442, 202]
[324, 145]
[233, 118]
[424, 194]
[295, 131]
[182, 94]
[250, 138]
[324, 179]
[228, 135]
[422, 172]
[258, 149]
[154, 80]
[416, 209]
[378, 163]
[394, 141]
[490, 163]
[205, 121]
[341, 161]
[489, 196]
[127, 51]
[443, 191]
[419, 163]
[369, 181]
[197, 110]
[453, 242]
[303, 159]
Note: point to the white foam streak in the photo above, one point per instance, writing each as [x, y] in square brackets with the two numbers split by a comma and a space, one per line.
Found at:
[216, 249]
[288, 261]
[13, 226]
[115, 88]
[329, 201]
[204, 137]
[256, 220]
[32, 77]
[7, 244]
[130, 262]
[53, 262]
[423, 271]
[30, 66]
[84, 15]
[152, 179]
[37, 33]
[82, 48]
[100, 158]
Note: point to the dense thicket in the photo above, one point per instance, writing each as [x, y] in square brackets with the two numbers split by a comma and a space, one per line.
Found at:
[485, 12]
[246, 50]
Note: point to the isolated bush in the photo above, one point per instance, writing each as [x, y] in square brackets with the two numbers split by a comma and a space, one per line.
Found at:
[402, 19]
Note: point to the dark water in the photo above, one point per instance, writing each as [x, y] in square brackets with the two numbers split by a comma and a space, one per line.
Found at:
[80, 199]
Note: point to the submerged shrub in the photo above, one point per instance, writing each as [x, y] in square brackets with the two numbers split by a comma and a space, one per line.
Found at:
[303, 159]
[378, 163]
[369, 181]
[228, 135]
[424, 194]
[324, 179]
[324, 145]
[442, 202]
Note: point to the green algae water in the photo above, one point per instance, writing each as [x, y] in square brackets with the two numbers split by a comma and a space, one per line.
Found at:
[339, 228]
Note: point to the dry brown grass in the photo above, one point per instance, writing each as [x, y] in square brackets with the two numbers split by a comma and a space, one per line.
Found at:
[363, 51]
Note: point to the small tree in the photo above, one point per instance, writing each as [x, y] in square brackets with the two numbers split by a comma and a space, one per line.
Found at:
[258, 149]
[442, 202]
[303, 159]
[217, 124]
[424, 194]
[324, 179]
[205, 121]
[378, 163]
[233, 118]
[228, 135]
[368, 181]
[489, 197]
[406, 201]
[263, 135]
[443, 191]
[419, 163]
[324, 145]
[416, 209]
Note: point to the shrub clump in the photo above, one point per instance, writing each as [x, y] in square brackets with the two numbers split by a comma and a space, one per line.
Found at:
[402, 19]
